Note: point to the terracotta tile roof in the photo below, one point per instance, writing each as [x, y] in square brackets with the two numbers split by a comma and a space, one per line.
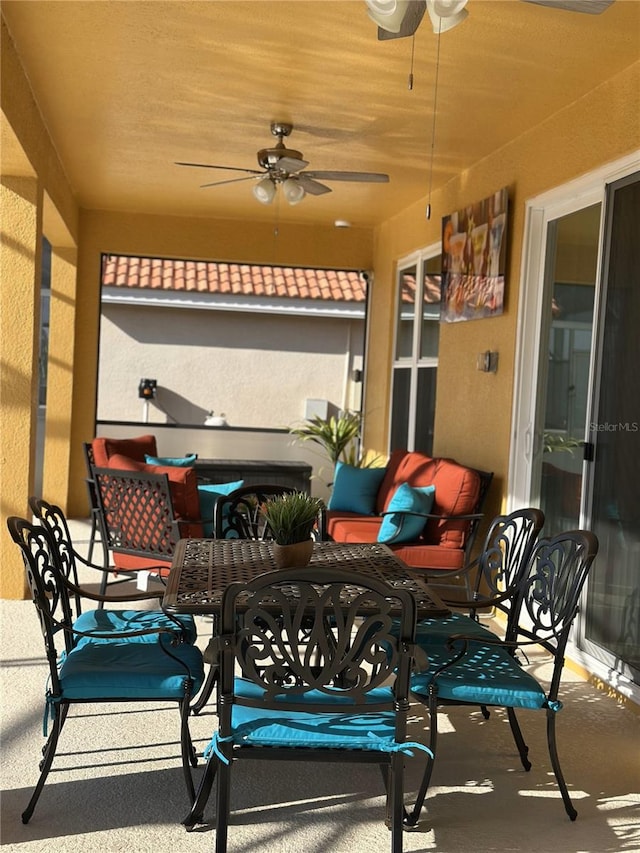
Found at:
[233, 279]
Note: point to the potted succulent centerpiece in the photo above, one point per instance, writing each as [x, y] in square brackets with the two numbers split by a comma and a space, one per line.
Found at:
[292, 518]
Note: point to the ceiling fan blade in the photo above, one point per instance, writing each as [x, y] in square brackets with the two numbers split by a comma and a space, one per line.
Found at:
[369, 177]
[227, 168]
[232, 180]
[290, 164]
[591, 7]
[311, 186]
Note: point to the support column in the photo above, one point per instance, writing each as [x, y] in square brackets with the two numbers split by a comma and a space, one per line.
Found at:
[20, 262]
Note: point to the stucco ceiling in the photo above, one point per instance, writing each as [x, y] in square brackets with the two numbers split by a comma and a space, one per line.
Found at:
[127, 88]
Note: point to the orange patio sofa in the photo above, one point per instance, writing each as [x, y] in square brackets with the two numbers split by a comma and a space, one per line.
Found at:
[445, 534]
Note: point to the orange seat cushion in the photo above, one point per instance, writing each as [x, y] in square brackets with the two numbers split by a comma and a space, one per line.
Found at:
[133, 448]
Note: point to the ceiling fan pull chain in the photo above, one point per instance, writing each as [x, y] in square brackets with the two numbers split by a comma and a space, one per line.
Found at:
[433, 128]
[413, 51]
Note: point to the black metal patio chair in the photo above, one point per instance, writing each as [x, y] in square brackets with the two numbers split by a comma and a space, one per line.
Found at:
[340, 694]
[490, 671]
[142, 665]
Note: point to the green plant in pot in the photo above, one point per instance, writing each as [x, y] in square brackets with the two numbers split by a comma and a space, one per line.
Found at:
[292, 518]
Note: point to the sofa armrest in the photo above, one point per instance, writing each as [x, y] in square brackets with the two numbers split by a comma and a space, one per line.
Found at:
[473, 516]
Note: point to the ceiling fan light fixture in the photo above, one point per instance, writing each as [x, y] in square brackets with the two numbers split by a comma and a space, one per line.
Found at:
[446, 14]
[387, 14]
[293, 191]
[265, 191]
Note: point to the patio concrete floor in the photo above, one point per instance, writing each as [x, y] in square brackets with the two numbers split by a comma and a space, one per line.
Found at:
[116, 783]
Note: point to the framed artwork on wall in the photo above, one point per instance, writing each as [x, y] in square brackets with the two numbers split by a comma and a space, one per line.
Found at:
[474, 260]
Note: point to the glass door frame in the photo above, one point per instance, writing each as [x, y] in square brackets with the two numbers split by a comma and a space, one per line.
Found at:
[525, 449]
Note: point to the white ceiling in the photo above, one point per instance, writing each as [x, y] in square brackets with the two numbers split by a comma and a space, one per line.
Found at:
[127, 88]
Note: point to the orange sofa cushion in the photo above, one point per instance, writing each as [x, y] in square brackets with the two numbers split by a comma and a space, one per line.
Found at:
[133, 448]
[457, 489]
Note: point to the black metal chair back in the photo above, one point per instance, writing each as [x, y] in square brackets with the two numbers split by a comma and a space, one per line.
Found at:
[239, 515]
[52, 517]
[137, 513]
[504, 557]
[321, 642]
[94, 506]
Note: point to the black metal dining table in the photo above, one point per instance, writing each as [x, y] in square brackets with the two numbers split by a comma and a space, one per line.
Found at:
[202, 569]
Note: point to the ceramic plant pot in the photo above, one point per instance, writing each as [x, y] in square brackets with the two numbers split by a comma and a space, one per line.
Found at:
[288, 556]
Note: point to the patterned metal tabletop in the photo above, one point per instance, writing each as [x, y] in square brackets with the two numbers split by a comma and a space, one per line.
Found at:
[203, 568]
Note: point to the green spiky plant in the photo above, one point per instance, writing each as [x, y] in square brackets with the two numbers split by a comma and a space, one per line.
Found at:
[292, 516]
[337, 435]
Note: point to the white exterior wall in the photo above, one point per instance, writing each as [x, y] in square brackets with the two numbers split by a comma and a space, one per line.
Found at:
[256, 368]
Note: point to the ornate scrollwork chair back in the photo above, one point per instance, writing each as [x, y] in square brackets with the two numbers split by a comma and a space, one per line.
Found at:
[239, 515]
[314, 666]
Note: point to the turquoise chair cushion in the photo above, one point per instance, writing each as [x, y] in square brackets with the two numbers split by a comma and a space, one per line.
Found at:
[115, 621]
[485, 675]
[103, 671]
[355, 489]
[175, 461]
[331, 729]
[437, 630]
[400, 525]
[208, 494]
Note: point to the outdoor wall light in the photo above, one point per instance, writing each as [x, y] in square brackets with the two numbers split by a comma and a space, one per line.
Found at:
[147, 389]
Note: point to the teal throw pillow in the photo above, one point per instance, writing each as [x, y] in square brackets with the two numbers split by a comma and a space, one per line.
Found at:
[399, 526]
[176, 461]
[355, 489]
[208, 494]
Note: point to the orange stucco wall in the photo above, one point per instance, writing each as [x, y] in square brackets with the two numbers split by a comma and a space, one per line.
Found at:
[473, 409]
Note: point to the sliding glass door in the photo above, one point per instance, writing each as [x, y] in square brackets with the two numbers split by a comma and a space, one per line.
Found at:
[611, 621]
[576, 420]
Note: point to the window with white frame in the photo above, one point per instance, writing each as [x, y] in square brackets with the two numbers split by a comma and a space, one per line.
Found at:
[415, 362]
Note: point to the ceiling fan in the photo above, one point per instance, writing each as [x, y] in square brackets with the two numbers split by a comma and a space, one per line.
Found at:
[282, 166]
[401, 18]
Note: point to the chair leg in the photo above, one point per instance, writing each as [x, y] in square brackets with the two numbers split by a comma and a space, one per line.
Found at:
[411, 819]
[223, 807]
[196, 815]
[523, 749]
[555, 763]
[48, 754]
[395, 801]
[189, 758]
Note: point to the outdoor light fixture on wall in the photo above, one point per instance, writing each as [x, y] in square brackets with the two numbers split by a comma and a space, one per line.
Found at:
[147, 391]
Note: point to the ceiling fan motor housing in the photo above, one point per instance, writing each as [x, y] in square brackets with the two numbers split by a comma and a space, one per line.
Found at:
[269, 158]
